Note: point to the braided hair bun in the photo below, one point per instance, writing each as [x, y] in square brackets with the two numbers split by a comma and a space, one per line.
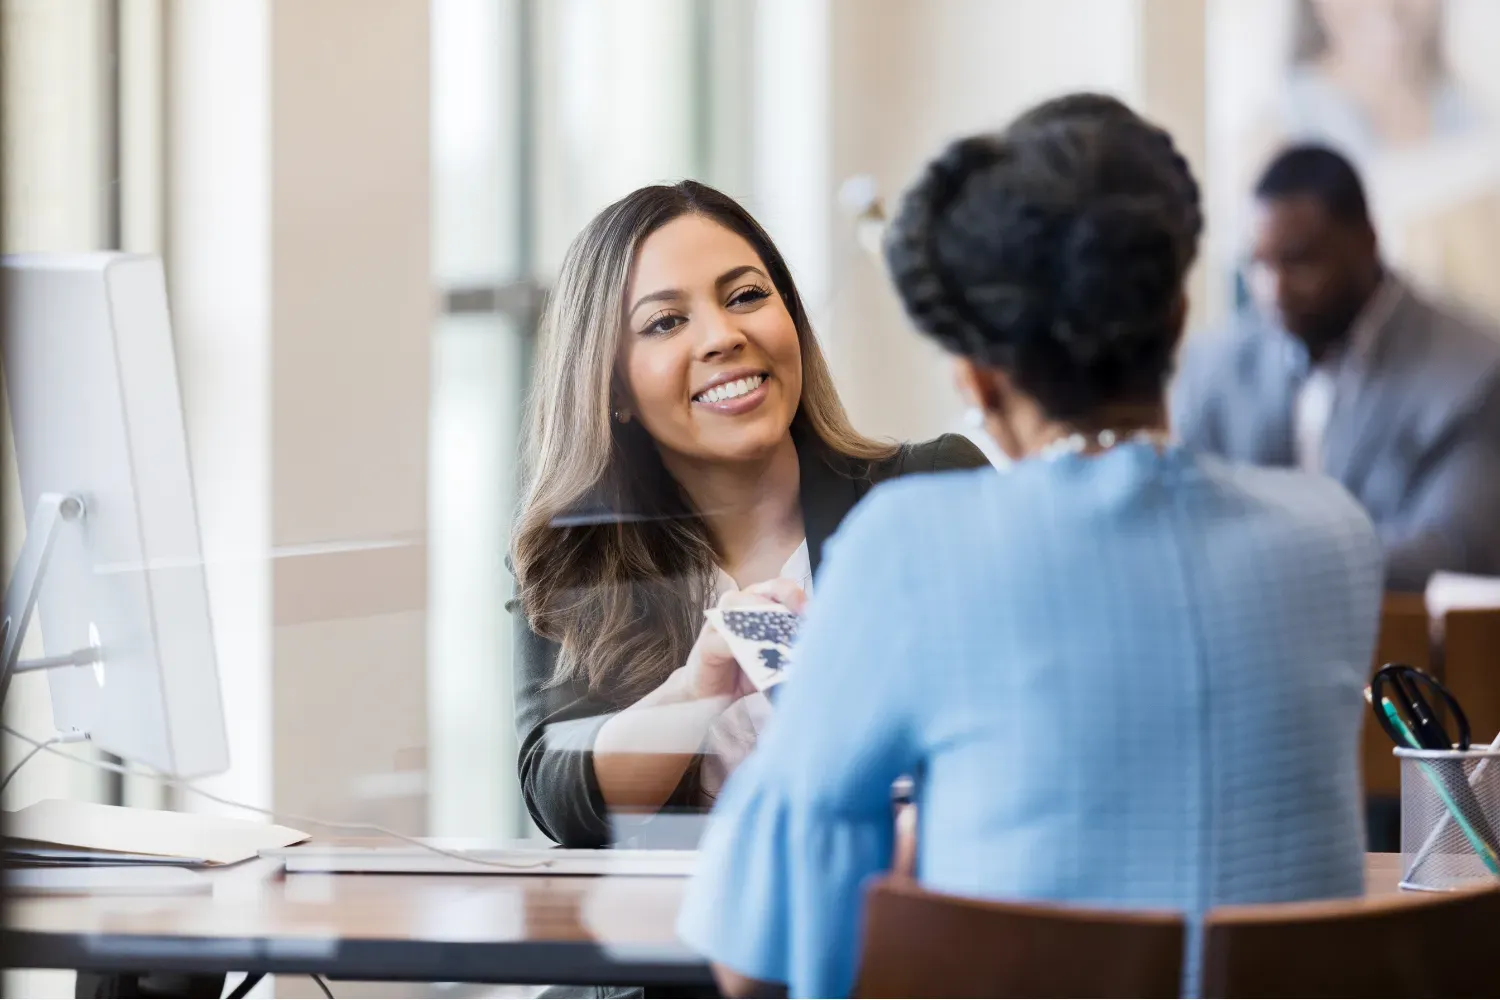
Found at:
[1055, 250]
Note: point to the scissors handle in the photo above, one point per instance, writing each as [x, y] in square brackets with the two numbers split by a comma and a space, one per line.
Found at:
[1413, 692]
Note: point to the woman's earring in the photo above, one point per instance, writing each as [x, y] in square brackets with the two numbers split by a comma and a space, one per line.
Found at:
[621, 417]
[974, 417]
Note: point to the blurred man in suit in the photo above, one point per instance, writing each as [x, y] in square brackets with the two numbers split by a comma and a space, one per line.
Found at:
[1344, 369]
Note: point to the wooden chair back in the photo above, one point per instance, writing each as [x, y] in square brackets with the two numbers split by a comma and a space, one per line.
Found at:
[1412, 945]
[926, 944]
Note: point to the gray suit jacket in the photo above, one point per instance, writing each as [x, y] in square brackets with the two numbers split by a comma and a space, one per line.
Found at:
[1414, 434]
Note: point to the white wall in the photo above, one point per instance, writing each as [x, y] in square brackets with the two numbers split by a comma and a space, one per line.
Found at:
[54, 200]
[615, 108]
[472, 785]
[218, 275]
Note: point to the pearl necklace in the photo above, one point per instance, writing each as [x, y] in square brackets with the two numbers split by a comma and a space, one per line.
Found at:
[1076, 444]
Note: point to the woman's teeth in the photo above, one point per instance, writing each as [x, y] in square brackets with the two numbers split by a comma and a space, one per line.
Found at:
[730, 390]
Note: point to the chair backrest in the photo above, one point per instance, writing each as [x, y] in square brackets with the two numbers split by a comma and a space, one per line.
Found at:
[1405, 637]
[1414, 945]
[1471, 667]
[925, 944]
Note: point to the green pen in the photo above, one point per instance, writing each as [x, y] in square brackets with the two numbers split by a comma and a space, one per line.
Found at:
[1485, 851]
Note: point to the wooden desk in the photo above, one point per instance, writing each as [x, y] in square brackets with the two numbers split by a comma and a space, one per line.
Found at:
[1383, 875]
[422, 928]
[414, 928]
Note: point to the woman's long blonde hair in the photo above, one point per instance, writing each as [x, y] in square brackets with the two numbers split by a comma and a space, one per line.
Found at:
[611, 561]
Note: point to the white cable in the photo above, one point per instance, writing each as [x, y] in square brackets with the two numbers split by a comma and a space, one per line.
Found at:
[48, 746]
[35, 749]
[24, 761]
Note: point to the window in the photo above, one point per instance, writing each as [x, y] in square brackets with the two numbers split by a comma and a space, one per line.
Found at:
[543, 113]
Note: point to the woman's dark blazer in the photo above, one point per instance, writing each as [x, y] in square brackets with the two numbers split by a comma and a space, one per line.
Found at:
[557, 724]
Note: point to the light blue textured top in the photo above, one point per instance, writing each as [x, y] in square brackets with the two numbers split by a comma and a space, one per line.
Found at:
[1132, 679]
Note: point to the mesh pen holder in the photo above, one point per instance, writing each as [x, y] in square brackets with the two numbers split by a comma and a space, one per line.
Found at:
[1450, 817]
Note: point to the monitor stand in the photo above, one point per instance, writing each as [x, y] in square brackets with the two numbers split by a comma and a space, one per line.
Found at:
[54, 511]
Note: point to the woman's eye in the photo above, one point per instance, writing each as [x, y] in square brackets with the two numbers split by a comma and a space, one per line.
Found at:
[746, 296]
[665, 323]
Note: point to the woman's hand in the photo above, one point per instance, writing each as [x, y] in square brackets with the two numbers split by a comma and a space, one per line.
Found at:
[641, 753]
[711, 670]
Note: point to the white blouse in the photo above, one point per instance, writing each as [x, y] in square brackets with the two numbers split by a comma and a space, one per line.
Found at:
[732, 735]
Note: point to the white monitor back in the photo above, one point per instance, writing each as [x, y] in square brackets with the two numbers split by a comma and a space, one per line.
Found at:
[96, 411]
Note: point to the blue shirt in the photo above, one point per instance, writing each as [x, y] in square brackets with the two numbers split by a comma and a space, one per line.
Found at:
[1133, 679]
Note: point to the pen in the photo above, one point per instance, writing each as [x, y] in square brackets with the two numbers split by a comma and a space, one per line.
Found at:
[1440, 785]
[1429, 734]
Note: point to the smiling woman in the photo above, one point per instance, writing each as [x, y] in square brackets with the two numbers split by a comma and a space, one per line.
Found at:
[712, 364]
[684, 444]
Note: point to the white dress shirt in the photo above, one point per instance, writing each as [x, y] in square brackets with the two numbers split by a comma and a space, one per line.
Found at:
[1319, 395]
[733, 734]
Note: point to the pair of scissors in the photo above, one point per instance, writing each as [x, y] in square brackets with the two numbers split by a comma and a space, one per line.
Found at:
[1423, 704]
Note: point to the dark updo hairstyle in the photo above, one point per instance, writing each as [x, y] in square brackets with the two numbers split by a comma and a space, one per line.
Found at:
[1055, 251]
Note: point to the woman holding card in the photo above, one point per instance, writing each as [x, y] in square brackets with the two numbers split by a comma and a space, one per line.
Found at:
[685, 448]
[1123, 674]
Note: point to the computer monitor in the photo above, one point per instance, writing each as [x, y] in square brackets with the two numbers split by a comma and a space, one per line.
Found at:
[113, 560]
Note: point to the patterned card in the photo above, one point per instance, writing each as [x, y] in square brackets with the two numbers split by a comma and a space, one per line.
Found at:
[760, 638]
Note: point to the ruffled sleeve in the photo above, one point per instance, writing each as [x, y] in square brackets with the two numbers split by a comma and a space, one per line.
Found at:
[807, 820]
[780, 891]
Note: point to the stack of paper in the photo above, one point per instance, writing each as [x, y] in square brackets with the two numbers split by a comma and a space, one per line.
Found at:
[58, 832]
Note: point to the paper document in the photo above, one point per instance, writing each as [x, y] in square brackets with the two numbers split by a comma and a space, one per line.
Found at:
[26, 852]
[132, 881]
[1460, 592]
[187, 838]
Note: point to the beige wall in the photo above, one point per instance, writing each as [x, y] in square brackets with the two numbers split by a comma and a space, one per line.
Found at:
[909, 75]
[351, 320]
[1172, 89]
[299, 263]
